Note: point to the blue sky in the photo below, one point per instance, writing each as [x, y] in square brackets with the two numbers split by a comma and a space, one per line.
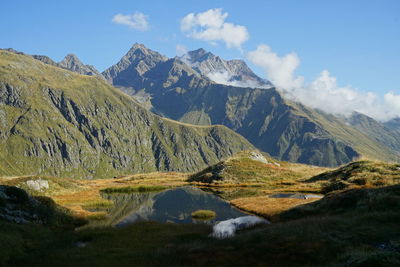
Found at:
[358, 42]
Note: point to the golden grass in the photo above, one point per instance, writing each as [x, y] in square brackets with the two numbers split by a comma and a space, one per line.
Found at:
[249, 195]
[86, 193]
[91, 189]
[268, 207]
[241, 170]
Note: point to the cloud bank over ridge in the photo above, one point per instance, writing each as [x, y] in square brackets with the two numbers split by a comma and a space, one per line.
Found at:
[323, 93]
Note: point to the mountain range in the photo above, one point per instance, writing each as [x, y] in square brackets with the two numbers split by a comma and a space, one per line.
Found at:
[92, 129]
[57, 122]
[182, 89]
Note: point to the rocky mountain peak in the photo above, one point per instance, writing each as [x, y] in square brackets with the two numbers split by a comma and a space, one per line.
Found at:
[198, 55]
[140, 51]
[72, 62]
[133, 64]
[139, 46]
[72, 57]
[231, 72]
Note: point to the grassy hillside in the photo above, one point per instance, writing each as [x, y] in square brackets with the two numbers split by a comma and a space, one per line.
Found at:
[57, 122]
[360, 174]
[251, 168]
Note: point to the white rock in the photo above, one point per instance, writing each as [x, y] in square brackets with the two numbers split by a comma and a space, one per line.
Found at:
[229, 227]
[258, 157]
[38, 185]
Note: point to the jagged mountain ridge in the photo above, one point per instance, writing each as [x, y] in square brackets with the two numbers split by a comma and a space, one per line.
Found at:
[230, 72]
[284, 129]
[57, 122]
[70, 62]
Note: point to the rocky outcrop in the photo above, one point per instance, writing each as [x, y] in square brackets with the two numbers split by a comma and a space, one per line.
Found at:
[17, 206]
[38, 185]
[257, 156]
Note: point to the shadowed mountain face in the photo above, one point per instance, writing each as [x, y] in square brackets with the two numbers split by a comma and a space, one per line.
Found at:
[230, 72]
[393, 124]
[57, 122]
[286, 130]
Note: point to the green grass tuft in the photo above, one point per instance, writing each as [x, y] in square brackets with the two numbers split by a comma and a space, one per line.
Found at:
[204, 214]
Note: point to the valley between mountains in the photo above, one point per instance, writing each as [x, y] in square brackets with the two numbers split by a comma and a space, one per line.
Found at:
[107, 168]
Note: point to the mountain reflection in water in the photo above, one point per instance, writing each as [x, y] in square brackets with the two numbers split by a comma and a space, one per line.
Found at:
[174, 205]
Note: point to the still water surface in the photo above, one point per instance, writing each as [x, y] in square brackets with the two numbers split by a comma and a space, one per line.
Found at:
[174, 206]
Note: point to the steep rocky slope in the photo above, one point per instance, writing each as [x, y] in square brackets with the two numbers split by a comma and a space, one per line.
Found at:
[286, 130]
[58, 122]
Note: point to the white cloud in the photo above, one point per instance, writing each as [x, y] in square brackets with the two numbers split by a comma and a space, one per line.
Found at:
[280, 70]
[180, 50]
[137, 21]
[323, 93]
[210, 26]
[224, 77]
[220, 77]
[393, 103]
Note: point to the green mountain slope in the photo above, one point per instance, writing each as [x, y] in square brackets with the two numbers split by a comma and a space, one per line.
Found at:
[286, 130]
[387, 135]
[53, 121]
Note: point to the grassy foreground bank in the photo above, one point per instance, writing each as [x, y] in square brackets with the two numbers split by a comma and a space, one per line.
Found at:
[359, 235]
[355, 224]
